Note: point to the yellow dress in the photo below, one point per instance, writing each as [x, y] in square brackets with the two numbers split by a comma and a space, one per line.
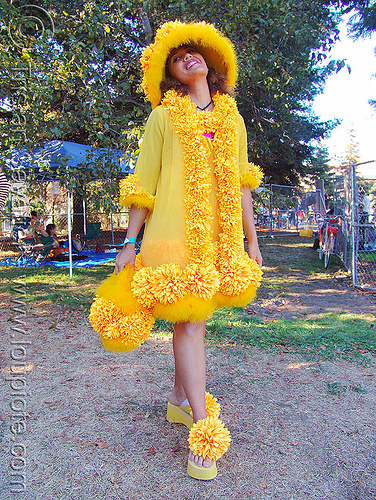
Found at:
[192, 259]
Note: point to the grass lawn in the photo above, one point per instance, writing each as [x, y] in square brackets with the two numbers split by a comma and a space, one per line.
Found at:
[52, 285]
[329, 336]
[367, 256]
[350, 336]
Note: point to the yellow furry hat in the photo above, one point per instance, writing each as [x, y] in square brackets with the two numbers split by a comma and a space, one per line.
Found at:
[217, 50]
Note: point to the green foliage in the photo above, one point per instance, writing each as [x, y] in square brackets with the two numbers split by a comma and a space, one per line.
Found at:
[363, 23]
[79, 79]
[352, 149]
[84, 81]
[338, 389]
[318, 167]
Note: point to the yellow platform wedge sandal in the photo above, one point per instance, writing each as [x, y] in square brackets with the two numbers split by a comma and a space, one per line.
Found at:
[207, 438]
[183, 414]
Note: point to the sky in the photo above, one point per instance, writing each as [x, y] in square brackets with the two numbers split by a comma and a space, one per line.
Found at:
[346, 97]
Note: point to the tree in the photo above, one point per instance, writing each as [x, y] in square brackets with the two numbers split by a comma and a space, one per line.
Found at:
[77, 79]
[363, 22]
[84, 82]
[319, 167]
[352, 156]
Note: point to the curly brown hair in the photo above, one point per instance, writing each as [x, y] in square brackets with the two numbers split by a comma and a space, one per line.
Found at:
[216, 81]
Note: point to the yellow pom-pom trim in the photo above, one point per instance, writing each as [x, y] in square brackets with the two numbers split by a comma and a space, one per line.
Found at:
[252, 178]
[209, 438]
[202, 281]
[103, 314]
[131, 194]
[119, 331]
[211, 405]
[141, 286]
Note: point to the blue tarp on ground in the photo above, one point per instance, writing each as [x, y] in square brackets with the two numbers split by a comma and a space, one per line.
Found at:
[93, 259]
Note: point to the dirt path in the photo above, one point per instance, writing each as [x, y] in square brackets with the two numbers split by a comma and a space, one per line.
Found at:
[298, 291]
[96, 428]
[315, 294]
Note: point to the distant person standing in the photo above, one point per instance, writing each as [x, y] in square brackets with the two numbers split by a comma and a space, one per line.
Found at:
[363, 221]
[292, 217]
[37, 226]
[364, 213]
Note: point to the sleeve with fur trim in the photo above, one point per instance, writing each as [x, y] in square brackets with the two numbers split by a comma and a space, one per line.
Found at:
[250, 174]
[139, 188]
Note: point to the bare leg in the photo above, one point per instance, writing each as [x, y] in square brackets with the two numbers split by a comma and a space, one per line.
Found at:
[190, 372]
[178, 395]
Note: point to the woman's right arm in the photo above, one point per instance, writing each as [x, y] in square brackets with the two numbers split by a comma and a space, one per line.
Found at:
[127, 255]
[147, 173]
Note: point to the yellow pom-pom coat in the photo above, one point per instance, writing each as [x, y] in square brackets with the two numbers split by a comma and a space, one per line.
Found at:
[192, 257]
[188, 175]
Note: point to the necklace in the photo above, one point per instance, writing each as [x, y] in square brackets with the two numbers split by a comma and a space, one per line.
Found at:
[205, 107]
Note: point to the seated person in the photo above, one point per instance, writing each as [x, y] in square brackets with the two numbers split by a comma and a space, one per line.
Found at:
[52, 247]
[37, 226]
[50, 242]
[34, 231]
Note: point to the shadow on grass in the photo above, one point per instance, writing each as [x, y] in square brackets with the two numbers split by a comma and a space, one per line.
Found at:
[52, 284]
[295, 254]
[330, 336]
[292, 266]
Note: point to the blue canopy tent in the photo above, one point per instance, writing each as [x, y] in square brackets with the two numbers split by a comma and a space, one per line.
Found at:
[47, 163]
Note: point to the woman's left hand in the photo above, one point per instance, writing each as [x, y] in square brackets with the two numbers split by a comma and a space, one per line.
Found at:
[254, 252]
[249, 225]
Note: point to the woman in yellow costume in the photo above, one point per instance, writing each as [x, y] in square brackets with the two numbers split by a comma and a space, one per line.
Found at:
[192, 184]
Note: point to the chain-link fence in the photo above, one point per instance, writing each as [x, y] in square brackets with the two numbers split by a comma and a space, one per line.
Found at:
[354, 200]
[279, 210]
[50, 201]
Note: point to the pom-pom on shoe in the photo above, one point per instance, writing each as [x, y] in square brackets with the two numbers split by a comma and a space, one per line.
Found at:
[207, 438]
[183, 414]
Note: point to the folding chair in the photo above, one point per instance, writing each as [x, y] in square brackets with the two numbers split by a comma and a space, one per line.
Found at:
[21, 226]
[93, 233]
[29, 253]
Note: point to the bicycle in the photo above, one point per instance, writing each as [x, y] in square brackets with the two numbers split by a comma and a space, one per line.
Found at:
[328, 229]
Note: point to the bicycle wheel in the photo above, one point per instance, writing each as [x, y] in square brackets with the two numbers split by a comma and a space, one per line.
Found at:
[328, 250]
[323, 241]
